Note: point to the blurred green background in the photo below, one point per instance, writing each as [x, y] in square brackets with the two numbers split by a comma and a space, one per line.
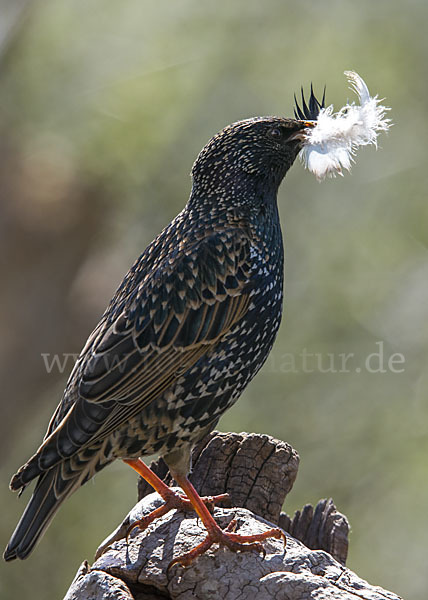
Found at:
[103, 107]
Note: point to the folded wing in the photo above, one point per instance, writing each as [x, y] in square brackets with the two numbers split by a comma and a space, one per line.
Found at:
[169, 319]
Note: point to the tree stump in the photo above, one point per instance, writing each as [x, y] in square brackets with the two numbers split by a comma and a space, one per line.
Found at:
[257, 472]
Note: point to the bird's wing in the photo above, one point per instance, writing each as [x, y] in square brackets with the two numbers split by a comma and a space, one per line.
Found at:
[173, 317]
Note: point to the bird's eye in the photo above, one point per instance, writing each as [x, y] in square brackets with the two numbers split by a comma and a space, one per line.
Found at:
[276, 133]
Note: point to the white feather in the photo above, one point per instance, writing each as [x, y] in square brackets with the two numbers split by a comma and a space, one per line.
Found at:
[331, 144]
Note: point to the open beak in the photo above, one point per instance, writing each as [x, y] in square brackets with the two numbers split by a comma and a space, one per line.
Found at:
[302, 133]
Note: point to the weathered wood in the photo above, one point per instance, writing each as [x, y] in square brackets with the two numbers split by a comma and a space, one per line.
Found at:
[291, 573]
[322, 528]
[257, 471]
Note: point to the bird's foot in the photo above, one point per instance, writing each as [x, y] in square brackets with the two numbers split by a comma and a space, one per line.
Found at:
[174, 501]
[230, 539]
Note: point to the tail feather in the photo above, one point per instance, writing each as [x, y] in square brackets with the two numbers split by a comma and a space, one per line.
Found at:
[39, 512]
[52, 488]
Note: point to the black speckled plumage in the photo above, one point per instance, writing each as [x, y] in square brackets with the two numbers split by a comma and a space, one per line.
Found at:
[190, 325]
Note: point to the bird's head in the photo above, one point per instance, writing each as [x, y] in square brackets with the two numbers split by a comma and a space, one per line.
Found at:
[252, 154]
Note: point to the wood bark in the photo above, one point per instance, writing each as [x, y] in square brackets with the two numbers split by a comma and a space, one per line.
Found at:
[257, 472]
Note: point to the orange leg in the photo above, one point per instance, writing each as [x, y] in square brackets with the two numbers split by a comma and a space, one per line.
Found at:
[172, 499]
[146, 473]
[215, 534]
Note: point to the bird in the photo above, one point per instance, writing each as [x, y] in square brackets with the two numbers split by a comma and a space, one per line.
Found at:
[191, 324]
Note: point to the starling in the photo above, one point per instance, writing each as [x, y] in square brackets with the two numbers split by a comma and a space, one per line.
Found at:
[190, 325]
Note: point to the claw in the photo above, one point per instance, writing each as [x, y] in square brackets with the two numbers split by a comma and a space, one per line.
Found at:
[233, 526]
[144, 522]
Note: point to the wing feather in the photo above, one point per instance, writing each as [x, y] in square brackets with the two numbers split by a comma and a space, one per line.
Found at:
[169, 321]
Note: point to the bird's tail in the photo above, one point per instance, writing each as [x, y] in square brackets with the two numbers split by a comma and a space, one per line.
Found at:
[52, 488]
[50, 492]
